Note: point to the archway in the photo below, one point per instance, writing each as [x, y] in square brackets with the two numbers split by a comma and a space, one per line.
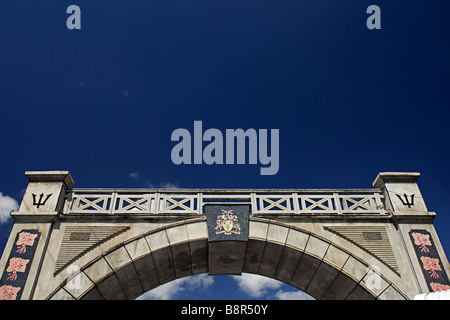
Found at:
[299, 258]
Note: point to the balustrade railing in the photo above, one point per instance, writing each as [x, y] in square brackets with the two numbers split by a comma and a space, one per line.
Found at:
[191, 202]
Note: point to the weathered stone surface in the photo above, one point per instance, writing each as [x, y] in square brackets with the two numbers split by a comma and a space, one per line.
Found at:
[99, 270]
[111, 289]
[305, 271]
[321, 280]
[164, 265]
[270, 259]
[146, 270]
[129, 281]
[253, 255]
[137, 248]
[93, 294]
[288, 264]
[340, 288]
[226, 257]
[359, 293]
[181, 259]
[199, 256]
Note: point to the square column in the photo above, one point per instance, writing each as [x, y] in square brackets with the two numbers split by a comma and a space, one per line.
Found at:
[20, 265]
[402, 194]
[44, 196]
[414, 222]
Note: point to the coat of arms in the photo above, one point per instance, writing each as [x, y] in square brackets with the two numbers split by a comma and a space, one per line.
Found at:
[227, 223]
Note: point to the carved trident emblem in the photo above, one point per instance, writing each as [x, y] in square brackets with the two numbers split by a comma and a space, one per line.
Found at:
[39, 202]
[407, 202]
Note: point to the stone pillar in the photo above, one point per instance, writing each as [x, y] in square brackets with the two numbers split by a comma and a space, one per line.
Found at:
[21, 260]
[402, 194]
[415, 223]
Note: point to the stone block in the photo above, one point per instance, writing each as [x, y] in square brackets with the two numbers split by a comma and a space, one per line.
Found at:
[111, 289]
[340, 288]
[226, 257]
[336, 257]
[322, 280]
[61, 295]
[360, 293]
[137, 248]
[253, 255]
[270, 259]
[277, 233]
[355, 268]
[297, 239]
[118, 258]
[374, 283]
[197, 230]
[288, 264]
[164, 265]
[317, 247]
[258, 230]
[199, 256]
[129, 281]
[78, 284]
[305, 271]
[157, 240]
[391, 294]
[181, 259]
[93, 294]
[146, 270]
[99, 270]
[177, 234]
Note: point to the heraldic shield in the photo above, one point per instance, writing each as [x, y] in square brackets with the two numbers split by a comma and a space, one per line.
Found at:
[227, 222]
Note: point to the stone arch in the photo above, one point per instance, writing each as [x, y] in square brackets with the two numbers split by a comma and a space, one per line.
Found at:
[297, 257]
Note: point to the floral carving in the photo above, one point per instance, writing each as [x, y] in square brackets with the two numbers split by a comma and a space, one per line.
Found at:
[8, 292]
[14, 276]
[422, 240]
[439, 287]
[25, 239]
[431, 265]
[16, 265]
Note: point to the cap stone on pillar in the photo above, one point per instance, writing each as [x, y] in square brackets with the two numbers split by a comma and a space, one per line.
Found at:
[45, 192]
[395, 177]
[50, 176]
[401, 192]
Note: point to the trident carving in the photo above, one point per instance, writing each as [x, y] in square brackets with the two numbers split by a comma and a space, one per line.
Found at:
[40, 202]
[407, 202]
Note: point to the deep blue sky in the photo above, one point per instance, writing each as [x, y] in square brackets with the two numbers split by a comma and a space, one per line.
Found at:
[349, 102]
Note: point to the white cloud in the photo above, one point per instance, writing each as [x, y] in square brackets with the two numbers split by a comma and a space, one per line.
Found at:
[292, 295]
[133, 175]
[169, 185]
[169, 290]
[165, 185]
[256, 285]
[7, 204]
[163, 292]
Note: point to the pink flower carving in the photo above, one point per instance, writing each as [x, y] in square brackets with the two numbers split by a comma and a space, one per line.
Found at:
[439, 287]
[431, 265]
[8, 292]
[25, 239]
[16, 265]
[422, 240]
